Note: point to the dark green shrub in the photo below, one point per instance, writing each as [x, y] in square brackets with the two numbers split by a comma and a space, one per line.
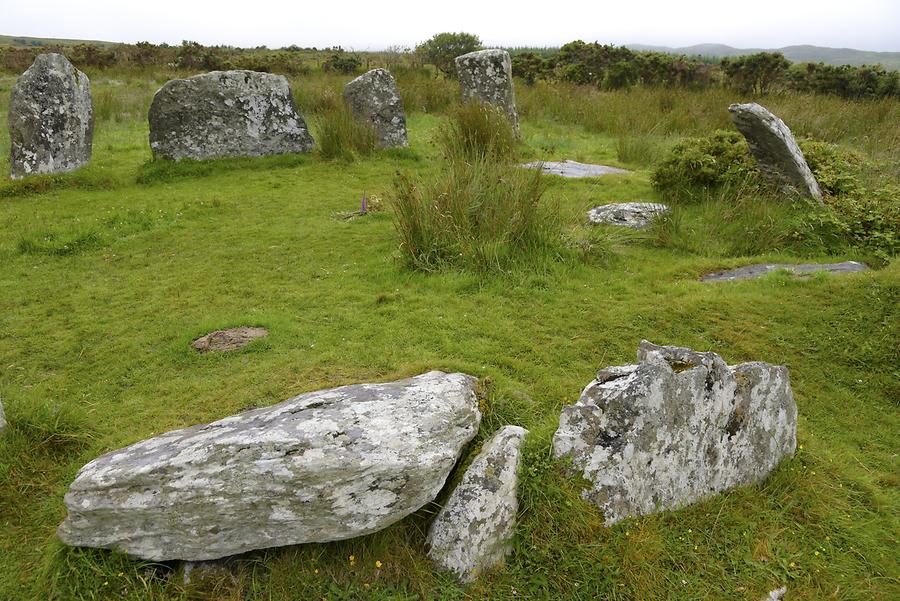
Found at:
[477, 130]
[696, 164]
[838, 170]
[342, 62]
[443, 48]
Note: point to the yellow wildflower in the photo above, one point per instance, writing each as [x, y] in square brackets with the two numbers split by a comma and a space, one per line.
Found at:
[378, 564]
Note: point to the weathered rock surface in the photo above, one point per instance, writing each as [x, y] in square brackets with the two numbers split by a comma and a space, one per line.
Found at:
[677, 427]
[627, 214]
[573, 169]
[322, 466]
[779, 158]
[373, 98]
[2, 419]
[757, 271]
[486, 76]
[51, 118]
[471, 533]
[228, 340]
[226, 114]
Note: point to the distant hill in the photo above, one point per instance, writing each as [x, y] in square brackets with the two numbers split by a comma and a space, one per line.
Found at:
[25, 41]
[798, 54]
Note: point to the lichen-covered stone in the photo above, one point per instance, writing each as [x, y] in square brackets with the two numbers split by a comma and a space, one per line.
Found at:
[322, 466]
[373, 98]
[573, 169]
[779, 158]
[627, 214]
[226, 114]
[471, 533]
[748, 272]
[677, 427]
[486, 76]
[51, 118]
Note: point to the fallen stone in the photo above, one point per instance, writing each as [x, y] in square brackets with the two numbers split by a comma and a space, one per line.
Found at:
[199, 571]
[756, 271]
[775, 595]
[627, 214]
[486, 76]
[226, 114]
[51, 118]
[323, 466]
[471, 533]
[677, 427]
[573, 169]
[779, 158]
[373, 98]
[228, 340]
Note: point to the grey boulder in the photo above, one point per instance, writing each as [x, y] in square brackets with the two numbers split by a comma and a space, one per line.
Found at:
[471, 533]
[51, 118]
[635, 215]
[226, 114]
[676, 428]
[486, 76]
[779, 158]
[373, 98]
[322, 466]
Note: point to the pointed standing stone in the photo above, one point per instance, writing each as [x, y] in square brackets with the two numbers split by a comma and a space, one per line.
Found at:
[51, 118]
[779, 158]
[373, 98]
[471, 533]
[486, 76]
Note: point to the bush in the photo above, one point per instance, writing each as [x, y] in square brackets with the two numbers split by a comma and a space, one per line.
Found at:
[838, 170]
[443, 48]
[477, 214]
[341, 62]
[340, 136]
[477, 130]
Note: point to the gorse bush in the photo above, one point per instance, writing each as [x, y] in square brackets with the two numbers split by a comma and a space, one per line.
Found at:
[478, 214]
[698, 164]
[477, 130]
[340, 136]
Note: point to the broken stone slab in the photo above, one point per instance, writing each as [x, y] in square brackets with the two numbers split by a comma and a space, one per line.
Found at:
[228, 340]
[779, 158]
[373, 98]
[226, 114]
[573, 169]
[676, 428]
[51, 118]
[756, 271]
[471, 533]
[323, 466]
[486, 76]
[627, 214]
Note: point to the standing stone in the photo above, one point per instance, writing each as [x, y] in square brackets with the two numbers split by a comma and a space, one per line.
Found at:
[226, 114]
[471, 533]
[676, 428]
[51, 118]
[486, 76]
[373, 98]
[779, 158]
[323, 466]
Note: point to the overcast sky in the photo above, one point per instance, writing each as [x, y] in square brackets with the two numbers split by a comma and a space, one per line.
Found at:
[373, 24]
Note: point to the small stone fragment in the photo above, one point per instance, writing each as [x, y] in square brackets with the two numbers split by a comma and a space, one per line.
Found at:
[373, 98]
[486, 76]
[573, 169]
[627, 214]
[323, 466]
[471, 533]
[775, 595]
[226, 114]
[757, 271]
[51, 118]
[228, 340]
[677, 427]
[2, 419]
[779, 158]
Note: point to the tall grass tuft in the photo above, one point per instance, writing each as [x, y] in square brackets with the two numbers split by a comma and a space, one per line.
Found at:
[478, 214]
[340, 136]
[477, 130]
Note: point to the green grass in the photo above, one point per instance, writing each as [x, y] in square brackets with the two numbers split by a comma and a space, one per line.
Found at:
[94, 355]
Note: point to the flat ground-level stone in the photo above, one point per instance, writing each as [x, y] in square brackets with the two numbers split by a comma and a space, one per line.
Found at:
[675, 428]
[573, 168]
[322, 466]
[471, 533]
[627, 214]
[228, 340]
[756, 271]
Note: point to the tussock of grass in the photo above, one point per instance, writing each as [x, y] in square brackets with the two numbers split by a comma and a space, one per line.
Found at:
[477, 130]
[339, 136]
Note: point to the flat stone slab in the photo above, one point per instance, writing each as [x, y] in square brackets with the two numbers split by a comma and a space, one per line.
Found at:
[749, 272]
[573, 169]
[228, 340]
[627, 214]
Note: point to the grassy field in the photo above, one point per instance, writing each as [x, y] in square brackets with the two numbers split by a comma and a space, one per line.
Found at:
[107, 274]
